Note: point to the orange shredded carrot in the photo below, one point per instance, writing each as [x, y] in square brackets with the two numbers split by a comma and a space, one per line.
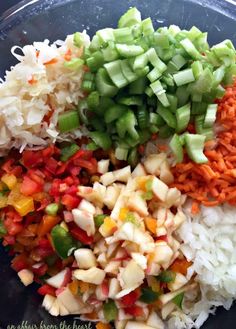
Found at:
[52, 61]
[101, 325]
[67, 55]
[213, 183]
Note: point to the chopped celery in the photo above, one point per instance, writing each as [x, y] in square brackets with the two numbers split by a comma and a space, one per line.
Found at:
[121, 153]
[104, 85]
[126, 124]
[114, 112]
[123, 35]
[142, 117]
[161, 40]
[68, 121]
[183, 77]
[95, 61]
[147, 26]
[179, 61]
[154, 74]
[190, 48]
[110, 53]
[101, 139]
[197, 69]
[198, 108]
[158, 90]
[173, 100]
[129, 50]
[140, 61]
[210, 116]
[194, 146]
[74, 64]
[93, 100]
[130, 100]
[177, 149]
[105, 35]
[182, 117]
[138, 86]
[168, 116]
[131, 17]
[155, 60]
[127, 71]
[114, 71]
[133, 157]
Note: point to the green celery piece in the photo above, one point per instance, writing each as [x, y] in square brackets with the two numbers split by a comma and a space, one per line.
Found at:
[114, 112]
[178, 300]
[210, 116]
[121, 153]
[124, 35]
[184, 77]
[168, 116]
[165, 131]
[93, 100]
[147, 26]
[177, 148]
[62, 241]
[190, 48]
[229, 74]
[156, 119]
[161, 40]
[127, 71]
[194, 146]
[204, 83]
[133, 157]
[179, 61]
[138, 86]
[105, 35]
[218, 75]
[110, 53]
[68, 151]
[126, 124]
[110, 310]
[140, 61]
[130, 18]
[104, 85]
[173, 100]
[168, 79]
[197, 69]
[128, 51]
[142, 117]
[99, 219]
[130, 100]
[158, 90]
[101, 139]
[198, 108]
[154, 74]
[78, 39]
[182, 117]
[114, 71]
[155, 60]
[68, 121]
[95, 61]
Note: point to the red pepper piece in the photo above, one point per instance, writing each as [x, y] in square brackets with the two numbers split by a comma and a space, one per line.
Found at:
[80, 234]
[46, 290]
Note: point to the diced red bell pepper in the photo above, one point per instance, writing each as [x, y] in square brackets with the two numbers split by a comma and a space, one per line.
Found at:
[90, 165]
[30, 187]
[74, 171]
[32, 158]
[72, 190]
[19, 263]
[70, 202]
[55, 188]
[82, 154]
[7, 166]
[36, 175]
[80, 234]
[13, 215]
[130, 299]
[51, 165]
[47, 290]
[44, 248]
[40, 271]
[12, 227]
[8, 240]
[62, 168]
[134, 310]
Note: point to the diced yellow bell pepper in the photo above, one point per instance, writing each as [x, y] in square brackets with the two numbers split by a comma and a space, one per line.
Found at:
[123, 213]
[3, 201]
[14, 195]
[74, 287]
[9, 180]
[108, 227]
[24, 205]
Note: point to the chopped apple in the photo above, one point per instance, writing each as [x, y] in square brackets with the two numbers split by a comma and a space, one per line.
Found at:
[137, 325]
[138, 171]
[107, 178]
[122, 175]
[87, 206]
[114, 287]
[48, 301]
[73, 304]
[131, 276]
[57, 280]
[120, 324]
[26, 276]
[179, 219]
[55, 309]
[165, 174]
[108, 227]
[155, 321]
[111, 196]
[138, 204]
[163, 253]
[153, 162]
[85, 258]
[84, 220]
[173, 198]
[159, 189]
[167, 310]
[179, 282]
[93, 275]
[103, 166]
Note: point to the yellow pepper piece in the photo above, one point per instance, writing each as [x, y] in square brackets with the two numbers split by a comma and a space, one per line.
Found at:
[24, 205]
[108, 227]
[83, 286]
[123, 213]
[151, 224]
[74, 286]
[14, 195]
[9, 180]
[3, 201]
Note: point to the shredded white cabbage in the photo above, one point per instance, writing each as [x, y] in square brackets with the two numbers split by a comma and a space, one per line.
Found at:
[38, 86]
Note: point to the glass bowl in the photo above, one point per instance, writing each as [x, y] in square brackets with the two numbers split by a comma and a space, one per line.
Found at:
[37, 20]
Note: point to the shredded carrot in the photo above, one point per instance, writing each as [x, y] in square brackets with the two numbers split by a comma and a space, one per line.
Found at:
[32, 81]
[101, 325]
[52, 61]
[213, 183]
[67, 55]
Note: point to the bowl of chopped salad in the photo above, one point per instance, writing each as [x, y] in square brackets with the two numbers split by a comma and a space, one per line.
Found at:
[118, 165]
